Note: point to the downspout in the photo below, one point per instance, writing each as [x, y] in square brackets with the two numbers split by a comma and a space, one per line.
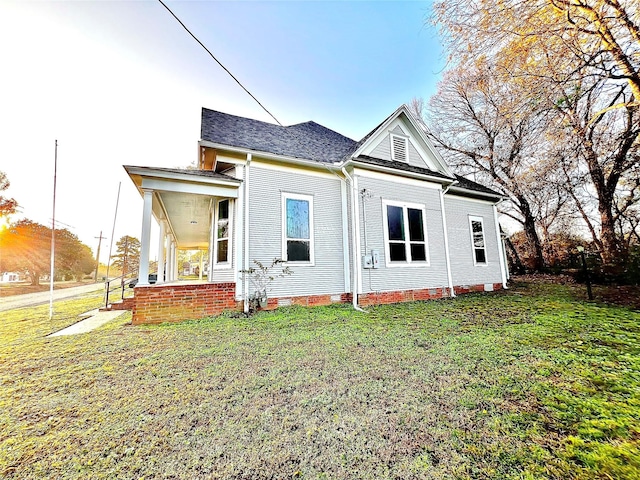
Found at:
[354, 246]
[245, 257]
[446, 240]
[501, 253]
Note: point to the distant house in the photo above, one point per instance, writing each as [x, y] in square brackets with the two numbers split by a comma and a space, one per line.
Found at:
[7, 277]
[379, 220]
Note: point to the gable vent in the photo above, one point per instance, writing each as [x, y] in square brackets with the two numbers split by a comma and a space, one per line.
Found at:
[399, 148]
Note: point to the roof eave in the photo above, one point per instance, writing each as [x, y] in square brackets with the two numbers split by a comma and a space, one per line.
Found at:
[395, 171]
[495, 198]
[151, 172]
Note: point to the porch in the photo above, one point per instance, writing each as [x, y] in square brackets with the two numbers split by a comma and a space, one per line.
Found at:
[194, 210]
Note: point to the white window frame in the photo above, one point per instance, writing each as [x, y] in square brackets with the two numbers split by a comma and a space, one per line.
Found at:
[405, 217]
[297, 196]
[392, 137]
[229, 263]
[473, 218]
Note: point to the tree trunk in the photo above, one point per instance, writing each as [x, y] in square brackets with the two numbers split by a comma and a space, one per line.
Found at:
[532, 234]
[35, 278]
[517, 265]
[610, 250]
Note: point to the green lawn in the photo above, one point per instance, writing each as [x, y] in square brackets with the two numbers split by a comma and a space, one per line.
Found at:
[528, 384]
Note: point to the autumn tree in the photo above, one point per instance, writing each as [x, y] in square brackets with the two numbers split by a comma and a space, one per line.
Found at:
[7, 205]
[581, 60]
[127, 257]
[26, 247]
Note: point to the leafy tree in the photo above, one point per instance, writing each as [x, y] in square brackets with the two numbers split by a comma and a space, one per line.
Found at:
[7, 205]
[72, 256]
[127, 257]
[26, 247]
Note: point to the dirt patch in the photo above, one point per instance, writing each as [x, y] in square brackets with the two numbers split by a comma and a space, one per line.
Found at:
[621, 295]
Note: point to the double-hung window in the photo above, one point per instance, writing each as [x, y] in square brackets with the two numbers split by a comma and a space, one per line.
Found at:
[405, 233]
[223, 234]
[297, 228]
[477, 241]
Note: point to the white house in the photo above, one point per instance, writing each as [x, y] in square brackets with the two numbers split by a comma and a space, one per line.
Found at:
[379, 220]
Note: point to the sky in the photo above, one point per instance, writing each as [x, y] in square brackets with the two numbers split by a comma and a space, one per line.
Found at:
[122, 83]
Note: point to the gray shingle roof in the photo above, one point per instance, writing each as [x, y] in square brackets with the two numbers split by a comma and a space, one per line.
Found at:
[307, 140]
[476, 187]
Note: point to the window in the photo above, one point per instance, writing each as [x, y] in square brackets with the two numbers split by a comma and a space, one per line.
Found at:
[222, 232]
[297, 228]
[399, 148]
[405, 233]
[477, 241]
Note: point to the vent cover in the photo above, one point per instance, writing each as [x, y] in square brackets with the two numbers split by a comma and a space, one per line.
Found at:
[399, 148]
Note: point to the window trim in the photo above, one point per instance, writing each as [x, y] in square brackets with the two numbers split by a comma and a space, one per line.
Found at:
[405, 138]
[405, 217]
[297, 196]
[229, 263]
[475, 218]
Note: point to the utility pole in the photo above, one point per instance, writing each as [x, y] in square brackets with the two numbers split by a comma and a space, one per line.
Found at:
[100, 238]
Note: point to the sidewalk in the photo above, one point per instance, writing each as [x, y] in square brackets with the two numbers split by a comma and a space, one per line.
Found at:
[39, 298]
[97, 319]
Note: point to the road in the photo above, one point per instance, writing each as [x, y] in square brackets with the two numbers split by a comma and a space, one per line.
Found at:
[39, 298]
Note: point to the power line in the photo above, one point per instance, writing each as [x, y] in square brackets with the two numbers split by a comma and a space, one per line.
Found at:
[219, 63]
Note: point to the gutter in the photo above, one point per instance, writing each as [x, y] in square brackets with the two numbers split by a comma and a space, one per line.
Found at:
[245, 257]
[447, 254]
[354, 243]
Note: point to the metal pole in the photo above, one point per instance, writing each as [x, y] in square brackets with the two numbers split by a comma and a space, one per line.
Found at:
[100, 238]
[53, 230]
[586, 275]
[115, 215]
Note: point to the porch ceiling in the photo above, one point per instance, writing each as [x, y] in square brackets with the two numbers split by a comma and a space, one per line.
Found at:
[189, 216]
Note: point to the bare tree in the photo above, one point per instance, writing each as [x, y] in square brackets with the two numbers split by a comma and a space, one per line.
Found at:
[492, 134]
[580, 60]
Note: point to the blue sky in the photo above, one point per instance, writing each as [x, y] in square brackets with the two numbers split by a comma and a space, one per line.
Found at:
[122, 83]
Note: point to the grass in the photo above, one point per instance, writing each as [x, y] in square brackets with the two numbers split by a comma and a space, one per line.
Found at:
[528, 384]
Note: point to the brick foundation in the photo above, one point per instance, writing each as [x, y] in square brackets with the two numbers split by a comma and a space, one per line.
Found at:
[307, 300]
[177, 302]
[125, 304]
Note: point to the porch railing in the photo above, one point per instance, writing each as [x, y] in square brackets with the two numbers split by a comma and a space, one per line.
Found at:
[114, 284]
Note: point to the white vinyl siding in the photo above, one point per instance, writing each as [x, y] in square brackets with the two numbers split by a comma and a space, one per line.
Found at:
[391, 276]
[463, 267]
[326, 275]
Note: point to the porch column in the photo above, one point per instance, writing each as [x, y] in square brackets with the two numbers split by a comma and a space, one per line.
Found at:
[212, 243]
[174, 261]
[145, 239]
[161, 252]
[200, 267]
